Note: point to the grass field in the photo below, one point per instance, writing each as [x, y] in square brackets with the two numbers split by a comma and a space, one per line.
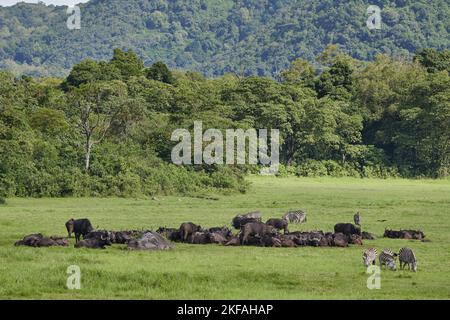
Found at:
[217, 272]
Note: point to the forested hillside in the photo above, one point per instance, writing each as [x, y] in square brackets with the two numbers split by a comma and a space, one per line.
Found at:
[213, 37]
[106, 128]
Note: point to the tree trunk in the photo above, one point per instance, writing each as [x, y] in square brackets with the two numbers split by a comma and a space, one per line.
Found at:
[88, 153]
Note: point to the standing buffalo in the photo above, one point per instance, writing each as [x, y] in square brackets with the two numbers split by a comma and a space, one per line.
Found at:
[347, 229]
[80, 227]
[187, 229]
[256, 229]
[279, 224]
[240, 221]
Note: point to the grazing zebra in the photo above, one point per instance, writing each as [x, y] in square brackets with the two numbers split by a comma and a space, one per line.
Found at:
[370, 256]
[357, 219]
[295, 216]
[387, 258]
[407, 257]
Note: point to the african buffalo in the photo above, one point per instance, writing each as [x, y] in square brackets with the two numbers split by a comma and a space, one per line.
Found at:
[216, 237]
[80, 227]
[340, 240]
[187, 229]
[355, 239]
[240, 221]
[347, 229]
[150, 241]
[279, 224]
[38, 240]
[100, 234]
[234, 241]
[256, 229]
[367, 236]
[94, 243]
[224, 231]
[200, 238]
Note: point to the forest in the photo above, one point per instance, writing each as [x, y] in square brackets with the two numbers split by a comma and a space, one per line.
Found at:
[215, 37]
[104, 130]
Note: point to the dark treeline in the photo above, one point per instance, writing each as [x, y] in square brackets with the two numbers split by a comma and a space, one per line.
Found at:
[105, 129]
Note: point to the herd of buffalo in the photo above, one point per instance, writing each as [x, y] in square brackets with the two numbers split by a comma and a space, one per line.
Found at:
[252, 231]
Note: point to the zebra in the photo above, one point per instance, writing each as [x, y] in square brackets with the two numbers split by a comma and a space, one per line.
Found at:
[357, 219]
[407, 257]
[387, 258]
[295, 216]
[370, 256]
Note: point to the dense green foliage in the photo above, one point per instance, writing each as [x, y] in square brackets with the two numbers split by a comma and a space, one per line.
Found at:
[251, 37]
[106, 129]
[218, 272]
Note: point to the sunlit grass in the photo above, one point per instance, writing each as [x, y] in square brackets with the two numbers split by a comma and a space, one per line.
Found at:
[216, 272]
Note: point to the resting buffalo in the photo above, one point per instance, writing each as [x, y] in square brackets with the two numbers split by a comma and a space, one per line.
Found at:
[93, 243]
[404, 234]
[279, 224]
[187, 229]
[256, 229]
[150, 241]
[170, 233]
[367, 236]
[234, 241]
[355, 239]
[218, 238]
[38, 240]
[100, 234]
[121, 237]
[80, 227]
[347, 229]
[340, 240]
[200, 238]
[224, 231]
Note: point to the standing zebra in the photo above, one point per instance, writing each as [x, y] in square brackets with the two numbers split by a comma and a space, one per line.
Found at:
[407, 257]
[298, 216]
[357, 219]
[370, 256]
[387, 258]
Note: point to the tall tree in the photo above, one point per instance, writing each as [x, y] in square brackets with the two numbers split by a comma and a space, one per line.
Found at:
[95, 107]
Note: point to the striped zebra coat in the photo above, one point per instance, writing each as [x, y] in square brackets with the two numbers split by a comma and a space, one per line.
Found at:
[357, 219]
[298, 216]
[407, 257]
[370, 257]
[387, 258]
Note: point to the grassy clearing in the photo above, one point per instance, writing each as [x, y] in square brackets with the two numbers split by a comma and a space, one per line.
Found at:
[216, 272]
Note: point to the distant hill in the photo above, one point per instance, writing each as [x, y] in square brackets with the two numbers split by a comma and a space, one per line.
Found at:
[216, 36]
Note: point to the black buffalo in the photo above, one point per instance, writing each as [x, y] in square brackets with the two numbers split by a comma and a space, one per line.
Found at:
[279, 224]
[94, 243]
[240, 221]
[187, 229]
[223, 231]
[257, 229]
[80, 227]
[347, 229]
[99, 235]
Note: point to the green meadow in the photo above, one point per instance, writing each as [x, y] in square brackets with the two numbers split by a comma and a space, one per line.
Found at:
[218, 272]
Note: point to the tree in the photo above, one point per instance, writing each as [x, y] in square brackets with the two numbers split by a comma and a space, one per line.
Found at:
[127, 63]
[301, 72]
[159, 72]
[434, 60]
[95, 106]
